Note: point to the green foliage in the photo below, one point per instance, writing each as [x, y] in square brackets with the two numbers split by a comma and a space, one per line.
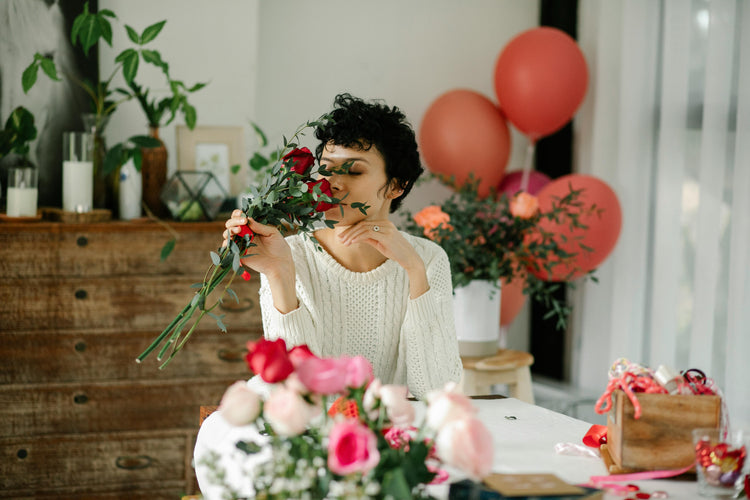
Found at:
[19, 131]
[484, 240]
[89, 29]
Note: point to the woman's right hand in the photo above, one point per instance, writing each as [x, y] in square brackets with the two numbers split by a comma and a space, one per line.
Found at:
[271, 254]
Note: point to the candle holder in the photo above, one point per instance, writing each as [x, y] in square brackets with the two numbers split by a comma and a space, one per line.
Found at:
[22, 192]
[193, 196]
[78, 172]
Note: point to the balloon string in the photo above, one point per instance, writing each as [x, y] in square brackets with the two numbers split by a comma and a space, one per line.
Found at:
[527, 166]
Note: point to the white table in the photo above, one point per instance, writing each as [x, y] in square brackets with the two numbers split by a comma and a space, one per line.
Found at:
[524, 443]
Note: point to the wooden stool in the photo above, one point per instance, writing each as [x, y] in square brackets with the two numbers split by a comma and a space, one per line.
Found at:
[506, 367]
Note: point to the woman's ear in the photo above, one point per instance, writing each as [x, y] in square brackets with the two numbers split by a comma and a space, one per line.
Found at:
[394, 189]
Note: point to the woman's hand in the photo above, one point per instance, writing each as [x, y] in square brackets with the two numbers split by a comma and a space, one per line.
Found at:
[271, 256]
[385, 237]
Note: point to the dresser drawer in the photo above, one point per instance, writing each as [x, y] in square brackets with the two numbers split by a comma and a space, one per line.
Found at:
[65, 465]
[27, 410]
[126, 303]
[110, 356]
[111, 249]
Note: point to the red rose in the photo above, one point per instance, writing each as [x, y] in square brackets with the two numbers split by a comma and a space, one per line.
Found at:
[269, 359]
[300, 353]
[301, 159]
[245, 230]
[325, 188]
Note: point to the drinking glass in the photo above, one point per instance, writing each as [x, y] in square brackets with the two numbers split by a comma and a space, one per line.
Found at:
[22, 192]
[78, 172]
[721, 461]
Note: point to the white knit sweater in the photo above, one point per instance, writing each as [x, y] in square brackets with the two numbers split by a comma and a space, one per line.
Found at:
[341, 312]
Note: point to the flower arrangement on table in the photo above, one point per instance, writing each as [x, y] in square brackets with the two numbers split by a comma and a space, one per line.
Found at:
[498, 238]
[365, 446]
[293, 197]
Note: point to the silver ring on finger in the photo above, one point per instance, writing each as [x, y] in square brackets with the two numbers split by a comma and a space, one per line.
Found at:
[376, 228]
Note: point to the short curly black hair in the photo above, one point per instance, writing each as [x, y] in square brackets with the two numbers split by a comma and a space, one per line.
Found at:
[355, 123]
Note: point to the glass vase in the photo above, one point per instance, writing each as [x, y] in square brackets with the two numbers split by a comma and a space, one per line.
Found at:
[104, 185]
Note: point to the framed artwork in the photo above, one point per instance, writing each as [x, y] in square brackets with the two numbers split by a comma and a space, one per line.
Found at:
[215, 150]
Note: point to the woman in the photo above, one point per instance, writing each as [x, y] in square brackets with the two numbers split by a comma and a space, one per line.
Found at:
[370, 289]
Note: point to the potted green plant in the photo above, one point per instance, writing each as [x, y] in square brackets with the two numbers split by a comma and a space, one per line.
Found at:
[89, 28]
[19, 131]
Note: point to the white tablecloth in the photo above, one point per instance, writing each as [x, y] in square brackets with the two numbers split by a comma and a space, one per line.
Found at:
[524, 437]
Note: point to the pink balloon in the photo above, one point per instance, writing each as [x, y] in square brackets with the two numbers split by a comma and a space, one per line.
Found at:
[511, 182]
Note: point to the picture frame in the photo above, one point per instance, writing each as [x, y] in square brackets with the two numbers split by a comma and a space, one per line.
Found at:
[213, 149]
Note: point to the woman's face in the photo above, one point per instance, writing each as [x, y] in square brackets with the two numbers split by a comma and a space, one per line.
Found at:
[364, 183]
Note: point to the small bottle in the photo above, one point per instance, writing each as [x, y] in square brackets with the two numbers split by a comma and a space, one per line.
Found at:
[668, 378]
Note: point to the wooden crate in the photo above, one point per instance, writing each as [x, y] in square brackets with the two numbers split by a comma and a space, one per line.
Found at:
[661, 438]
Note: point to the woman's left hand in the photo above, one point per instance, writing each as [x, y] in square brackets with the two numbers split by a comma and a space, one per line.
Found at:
[385, 237]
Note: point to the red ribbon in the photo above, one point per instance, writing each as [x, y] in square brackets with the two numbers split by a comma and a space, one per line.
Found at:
[595, 436]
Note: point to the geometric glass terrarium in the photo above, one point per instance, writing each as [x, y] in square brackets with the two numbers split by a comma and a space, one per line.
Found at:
[193, 196]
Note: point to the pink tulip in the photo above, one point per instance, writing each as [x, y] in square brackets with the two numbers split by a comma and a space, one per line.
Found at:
[352, 447]
[324, 376]
[466, 444]
[447, 405]
[398, 409]
[287, 412]
[358, 372]
[239, 405]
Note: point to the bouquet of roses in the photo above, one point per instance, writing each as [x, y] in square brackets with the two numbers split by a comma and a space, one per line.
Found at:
[364, 446]
[293, 197]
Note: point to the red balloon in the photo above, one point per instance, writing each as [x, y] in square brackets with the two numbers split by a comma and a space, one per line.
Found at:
[511, 182]
[602, 225]
[463, 131]
[540, 80]
[512, 300]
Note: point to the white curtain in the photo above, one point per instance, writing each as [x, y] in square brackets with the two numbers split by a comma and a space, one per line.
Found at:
[666, 123]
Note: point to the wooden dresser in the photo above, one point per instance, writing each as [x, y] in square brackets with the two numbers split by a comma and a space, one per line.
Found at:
[78, 302]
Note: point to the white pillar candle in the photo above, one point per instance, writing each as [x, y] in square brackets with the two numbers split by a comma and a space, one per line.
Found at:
[78, 186]
[22, 201]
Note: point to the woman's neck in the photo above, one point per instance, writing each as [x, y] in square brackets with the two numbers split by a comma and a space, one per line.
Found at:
[357, 257]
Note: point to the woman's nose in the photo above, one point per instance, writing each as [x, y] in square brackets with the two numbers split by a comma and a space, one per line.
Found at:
[337, 182]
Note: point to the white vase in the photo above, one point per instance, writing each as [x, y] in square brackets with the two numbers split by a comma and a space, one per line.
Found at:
[476, 312]
[130, 191]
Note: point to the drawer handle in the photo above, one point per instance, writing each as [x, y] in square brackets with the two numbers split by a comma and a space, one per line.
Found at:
[232, 307]
[80, 399]
[133, 462]
[81, 294]
[231, 355]
[22, 453]
[80, 346]
[82, 241]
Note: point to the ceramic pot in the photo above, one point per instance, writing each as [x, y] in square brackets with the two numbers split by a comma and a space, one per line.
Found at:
[154, 175]
[476, 312]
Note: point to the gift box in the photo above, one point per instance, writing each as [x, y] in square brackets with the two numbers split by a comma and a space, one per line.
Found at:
[661, 438]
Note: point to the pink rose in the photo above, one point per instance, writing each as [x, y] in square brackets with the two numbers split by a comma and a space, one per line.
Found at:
[358, 372]
[325, 188]
[269, 359]
[524, 205]
[431, 218]
[352, 447]
[287, 412]
[447, 405]
[324, 376]
[300, 159]
[466, 444]
[398, 409]
[398, 438]
[240, 405]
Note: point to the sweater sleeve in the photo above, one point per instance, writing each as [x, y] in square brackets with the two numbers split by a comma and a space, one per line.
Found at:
[428, 345]
[296, 327]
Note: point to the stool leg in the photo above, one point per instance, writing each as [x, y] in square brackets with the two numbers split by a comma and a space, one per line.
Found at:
[522, 388]
[469, 382]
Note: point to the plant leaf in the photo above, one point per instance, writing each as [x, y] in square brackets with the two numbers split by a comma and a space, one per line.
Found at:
[167, 249]
[144, 141]
[130, 62]
[105, 28]
[133, 35]
[190, 115]
[28, 78]
[151, 32]
[215, 258]
[89, 33]
[49, 68]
